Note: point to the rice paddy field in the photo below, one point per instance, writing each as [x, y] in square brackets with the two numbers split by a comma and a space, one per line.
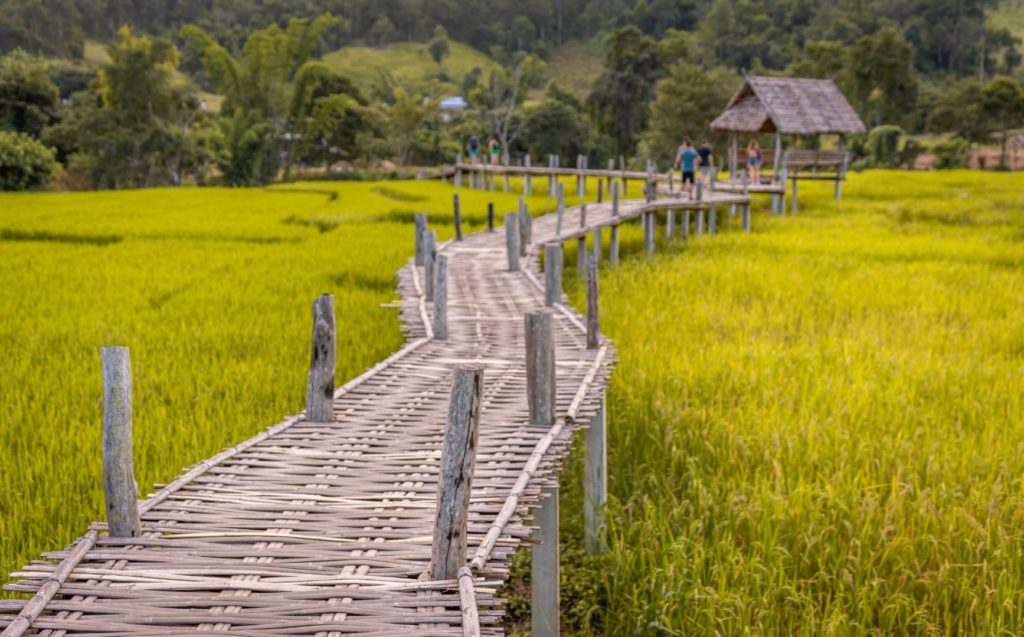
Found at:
[815, 428]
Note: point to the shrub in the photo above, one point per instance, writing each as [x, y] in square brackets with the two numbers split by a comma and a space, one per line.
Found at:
[25, 163]
[883, 142]
[909, 153]
[951, 153]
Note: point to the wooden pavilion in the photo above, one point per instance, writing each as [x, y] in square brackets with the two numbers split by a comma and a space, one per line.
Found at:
[792, 106]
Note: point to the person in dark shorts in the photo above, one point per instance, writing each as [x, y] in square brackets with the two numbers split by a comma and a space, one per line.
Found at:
[473, 148]
[707, 160]
[686, 161]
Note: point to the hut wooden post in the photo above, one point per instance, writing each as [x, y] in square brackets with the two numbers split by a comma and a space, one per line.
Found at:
[119, 486]
[454, 484]
[795, 196]
[670, 223]
[685, 229]
[458, 217]
[490, 216]
[841, 170]
[320, 387]
[782, 197]
[541, 397]
[429, 256]
[527, 177]
[712, 220]
[775, 171]
[593, 316]
[700, 223]
[581, 258]
[595, 480]
[441, 298]
[512, 240]
[733, 159]
[552, 274]
[613, 246]
[420, 225]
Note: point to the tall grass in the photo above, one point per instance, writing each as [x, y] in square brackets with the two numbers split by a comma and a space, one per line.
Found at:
[818, 428]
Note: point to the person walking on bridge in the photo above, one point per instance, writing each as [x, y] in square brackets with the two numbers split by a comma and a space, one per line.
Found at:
[473, 148]
[707, 160]
[494, 151]
[686, 159]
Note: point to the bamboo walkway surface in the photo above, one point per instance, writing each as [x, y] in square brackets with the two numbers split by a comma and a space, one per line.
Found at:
[325, 528]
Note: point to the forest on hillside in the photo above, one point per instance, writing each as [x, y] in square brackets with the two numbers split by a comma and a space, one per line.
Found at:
[248, 92]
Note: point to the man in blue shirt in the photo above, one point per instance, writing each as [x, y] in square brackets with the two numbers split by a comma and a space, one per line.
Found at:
[687, 159]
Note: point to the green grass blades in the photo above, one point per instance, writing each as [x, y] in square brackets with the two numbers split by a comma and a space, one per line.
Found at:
[212, 291]
[818, 428]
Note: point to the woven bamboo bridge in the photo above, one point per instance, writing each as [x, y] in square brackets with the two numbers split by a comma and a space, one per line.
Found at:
[394, 503]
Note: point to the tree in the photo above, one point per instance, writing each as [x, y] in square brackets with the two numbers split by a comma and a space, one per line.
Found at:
[626, 87]
[505, 93]
[880, 77]
[326, 115]
[28, 99]
[1002, 101]
[438, 46]
[553, 127]
[405, 121]
[25, 163]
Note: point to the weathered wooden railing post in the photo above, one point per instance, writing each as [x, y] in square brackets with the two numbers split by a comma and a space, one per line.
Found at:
[600, 191]
[441, 298]
[320, 387]
[746, 217]
[581, 258]
[118, 465]
[700, 190]
[686, 225]
[648, 221]
[525, 227]
[670, 224]
[712, 220]
[613, 246]
[700, 223]
[541, 397]
[593, 321]
[490, 216]
[455, 477]
[560, 211]
[458, 217]
[595, 479]
[512, 240]
[583, 216]
[596, 248]
[615, 199]
[527, 177]
[458, 171]
[580, 192]
[783, 180]
[552, 274]
[429, 258]
[420, 225]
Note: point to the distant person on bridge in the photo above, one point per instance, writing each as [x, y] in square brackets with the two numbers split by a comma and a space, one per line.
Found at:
[754, 158]
[707, 160]
[686, 159]
[473, 148]
[494, 150]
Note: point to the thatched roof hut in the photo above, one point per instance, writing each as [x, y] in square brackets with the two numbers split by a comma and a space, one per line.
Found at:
[788, 105]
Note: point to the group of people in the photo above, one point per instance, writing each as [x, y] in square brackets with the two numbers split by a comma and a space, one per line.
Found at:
[493, 150]
[689, 159]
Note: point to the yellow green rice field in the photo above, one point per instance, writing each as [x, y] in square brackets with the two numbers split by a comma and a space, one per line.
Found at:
[815, 428]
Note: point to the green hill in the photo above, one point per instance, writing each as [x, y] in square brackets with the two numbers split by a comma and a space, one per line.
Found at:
[408, 63]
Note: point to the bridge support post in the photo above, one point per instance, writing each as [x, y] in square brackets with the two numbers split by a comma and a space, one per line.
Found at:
[420, 225]
[595, 481]
[670, 224]
[613, 246]
[320, 387]
[527, 180]
[490, 216]
[560, 211]
[782, 197]
[608, 177]
[429, 259]
[593, 316]
[615, 199]
[597, 244]
[700, 223]
[454, 484]
[512, 240]
[712, 220]
[581, 258]
[746, 217]
[685, 229]
[541, 396]
[580, 179]
[118, 465]
[649, 220]
[458, 217]
[525, 227]
[552, 274]
[600, 191]
[441, 298]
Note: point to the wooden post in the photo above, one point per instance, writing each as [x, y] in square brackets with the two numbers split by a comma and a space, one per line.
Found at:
[613, 246]
[746, 217]
[580, 179]
[700, 190]
[441, 298]
[455, 477]
[600, 191]
[552, 274]
[712, 220]
[490, 216]
[671, 178]
[648, 220]
[841, 170]
[527, 177]
[597, 243]
[581, 258]
[595, 481]
[686, 224]
[796, 200]
[670, 223]
[782, 198]
[700, 223]
[733, 160]
[458, 171]
[524, 228]
[420, 225]
[458, 217]
[118, 466]
[540, 368]
[583, 176]
[320, 388]
[593, 319]
[583, 215]
[545, 594]
[746, 181]
[429, 257]
[512, 240]
[560, 212]
[714, 178]
[608, 177]
[615, 198]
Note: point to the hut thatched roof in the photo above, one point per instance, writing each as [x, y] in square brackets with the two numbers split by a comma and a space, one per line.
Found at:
[797, 106]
